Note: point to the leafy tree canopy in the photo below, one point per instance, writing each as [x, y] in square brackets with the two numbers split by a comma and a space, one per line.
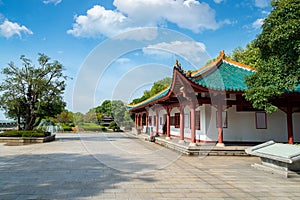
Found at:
[31, 93]
[114, 108]
[156, 88]
[277, 49]
[65, 117]
[105, 108]
[248, 56]
[90, 117]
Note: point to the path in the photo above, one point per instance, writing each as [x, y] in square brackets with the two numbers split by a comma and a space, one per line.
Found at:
[120, 166]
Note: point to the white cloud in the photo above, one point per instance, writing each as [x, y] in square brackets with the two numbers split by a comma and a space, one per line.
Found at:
[258, 23]
[189, 14]
[122, 60]
[262, 3]
[218, 1]
[99, 21]
[8, 29]
[132, 14]
[194, 52]
[55, 2]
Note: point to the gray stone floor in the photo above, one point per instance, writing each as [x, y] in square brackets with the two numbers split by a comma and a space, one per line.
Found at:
[120, 166]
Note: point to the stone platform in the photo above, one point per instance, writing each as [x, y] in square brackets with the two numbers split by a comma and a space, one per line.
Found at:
[200, 149]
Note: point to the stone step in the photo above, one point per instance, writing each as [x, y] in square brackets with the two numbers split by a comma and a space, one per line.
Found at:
[202, 150]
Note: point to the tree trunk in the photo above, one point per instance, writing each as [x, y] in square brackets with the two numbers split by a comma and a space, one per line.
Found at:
[30, 118]
[28, 115]
[37, 122]
[19, 121]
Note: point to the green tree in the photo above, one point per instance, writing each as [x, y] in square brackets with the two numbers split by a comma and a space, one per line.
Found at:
[32, 93]
[128, 119]
[118, 111]
[90, 117]
[65, 117]
[99, 117]
[157, 87]
[278, 62]
[112, 108]
[78, 117]
[14, 105]
[105, 108]
[114, 126]
[248, 56]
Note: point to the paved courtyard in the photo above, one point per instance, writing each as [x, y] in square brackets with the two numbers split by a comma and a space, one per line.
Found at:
[120, 166]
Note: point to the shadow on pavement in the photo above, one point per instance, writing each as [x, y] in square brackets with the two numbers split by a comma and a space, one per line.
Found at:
[60, 175]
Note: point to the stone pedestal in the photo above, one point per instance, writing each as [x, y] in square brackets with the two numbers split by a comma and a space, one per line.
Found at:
[220, 145]
[192, 144]
[181, 141]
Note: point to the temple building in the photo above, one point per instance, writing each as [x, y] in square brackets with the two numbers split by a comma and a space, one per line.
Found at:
[208, 105]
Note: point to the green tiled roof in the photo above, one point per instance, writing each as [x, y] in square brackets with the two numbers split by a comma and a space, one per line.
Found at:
[227, 77]
[297, 88]
[224, 75]
[153, 98]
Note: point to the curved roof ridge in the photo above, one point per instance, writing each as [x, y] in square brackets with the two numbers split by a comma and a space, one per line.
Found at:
[238, 64]
[222, 57]
[155, 95]
[212, 64]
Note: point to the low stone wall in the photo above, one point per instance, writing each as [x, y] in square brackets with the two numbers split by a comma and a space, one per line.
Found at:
[20, 140]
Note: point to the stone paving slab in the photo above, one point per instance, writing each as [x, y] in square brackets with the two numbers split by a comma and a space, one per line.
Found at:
[120, 166]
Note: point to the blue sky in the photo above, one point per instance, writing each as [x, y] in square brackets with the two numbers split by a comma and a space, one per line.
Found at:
[117, 48]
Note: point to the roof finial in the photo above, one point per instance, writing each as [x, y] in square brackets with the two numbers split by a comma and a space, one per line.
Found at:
[222, 54]
[177, 64]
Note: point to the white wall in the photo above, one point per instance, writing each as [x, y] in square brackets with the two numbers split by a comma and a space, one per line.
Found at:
[242, 127]
[161, 115]
[173, 130]
[201, 134]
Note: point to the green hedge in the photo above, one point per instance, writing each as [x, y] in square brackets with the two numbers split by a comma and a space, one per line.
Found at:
[92, 127]
[67, 127]
[17, 133]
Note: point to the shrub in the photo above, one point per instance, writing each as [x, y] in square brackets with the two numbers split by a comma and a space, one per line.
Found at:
[23, 133]
[114, 126]
[91, 127]
[67, 127]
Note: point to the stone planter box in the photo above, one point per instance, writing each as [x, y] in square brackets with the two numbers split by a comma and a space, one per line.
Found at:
[20, 140]
[277, 158]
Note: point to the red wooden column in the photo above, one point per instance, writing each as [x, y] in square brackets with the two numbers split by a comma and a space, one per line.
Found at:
[220, 124]
[147, 121]
[156, 121]
[181, 124]
[193, 126]
[168, 123]
[141, 122]
[289, 117]
[135, 120]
